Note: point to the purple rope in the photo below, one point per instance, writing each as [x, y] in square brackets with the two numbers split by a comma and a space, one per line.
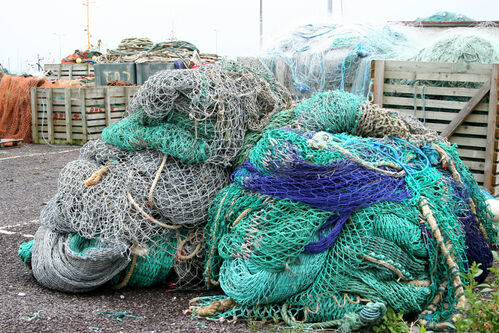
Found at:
[477, 248]
[342, 186]
[335, 187]
[326, 242]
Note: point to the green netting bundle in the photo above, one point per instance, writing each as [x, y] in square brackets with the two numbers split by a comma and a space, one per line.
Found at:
[325, 229]
[199, 115]
[177, 135]
[445, 17]
[461, 47]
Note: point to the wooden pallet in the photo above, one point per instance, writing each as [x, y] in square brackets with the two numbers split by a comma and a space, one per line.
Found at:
[10, 143]
[453, 99]
[76, 115]
[68, 71]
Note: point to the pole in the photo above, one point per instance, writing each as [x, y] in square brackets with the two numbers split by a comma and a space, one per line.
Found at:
[261, 24]
[88, 26]
[329, 8]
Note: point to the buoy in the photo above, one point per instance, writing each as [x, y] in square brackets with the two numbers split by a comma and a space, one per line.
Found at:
[494, 208]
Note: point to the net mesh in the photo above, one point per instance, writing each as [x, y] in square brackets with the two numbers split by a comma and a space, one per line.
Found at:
[15, 106]
[199, 115]
[144, 194]
[327, 224]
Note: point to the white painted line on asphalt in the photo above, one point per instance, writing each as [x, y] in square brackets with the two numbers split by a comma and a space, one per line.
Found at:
[37, 154]
[7, 232]
[19, 224]
[28, 235]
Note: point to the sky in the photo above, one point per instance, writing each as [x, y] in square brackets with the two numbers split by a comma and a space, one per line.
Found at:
[53, 29]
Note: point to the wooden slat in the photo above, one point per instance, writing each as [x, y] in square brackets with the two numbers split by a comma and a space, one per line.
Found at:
[466, 110]
[431, 103]
[463, 129]
[379, 79]
[437, 67]
[108, 109]
[34, 113]
[50, 116]
[438, 115]
[491, 129]
[439, 91]
[448, 77]
[476, 154]
[69, 118]
[83, 114]
[76, 136]
[470, 142]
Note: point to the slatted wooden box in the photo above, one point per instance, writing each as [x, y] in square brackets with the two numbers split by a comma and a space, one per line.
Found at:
[76, 115]
[453, 99]
[68, 71]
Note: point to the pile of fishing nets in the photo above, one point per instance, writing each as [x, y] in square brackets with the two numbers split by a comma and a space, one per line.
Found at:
[15, 106]
[477, 46]
[347, 210]
[327, 57]
[132, 208]
[445, 17]
[140, 50]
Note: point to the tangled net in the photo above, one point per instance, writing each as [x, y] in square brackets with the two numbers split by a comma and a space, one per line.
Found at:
[445, 17]
[324, 229]
[473, 47]
[315, 58]
[199, 115]
[130, 213]
[140, 50]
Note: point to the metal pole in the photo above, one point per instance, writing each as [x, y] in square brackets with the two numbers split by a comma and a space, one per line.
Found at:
[329, 8]
[261, 24]
[88, 26]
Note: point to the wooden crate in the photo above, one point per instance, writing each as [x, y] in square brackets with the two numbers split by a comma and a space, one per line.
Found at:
[68, 71]
[451, 98]
[76, 115]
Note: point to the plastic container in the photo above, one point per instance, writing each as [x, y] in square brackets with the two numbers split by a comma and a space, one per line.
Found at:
[147, 69]
[105, 73]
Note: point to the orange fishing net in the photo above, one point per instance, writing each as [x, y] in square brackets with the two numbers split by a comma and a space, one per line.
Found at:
[15, 104]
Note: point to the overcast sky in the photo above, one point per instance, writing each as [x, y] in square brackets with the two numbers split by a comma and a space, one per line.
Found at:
[54, 27]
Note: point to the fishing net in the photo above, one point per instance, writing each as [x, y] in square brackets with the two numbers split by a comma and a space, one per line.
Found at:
[328, 57]
[15, 106]
[138, 206]
[198, 115]
[324, 229]
[140, 50]
[471, 47]
[445, 17]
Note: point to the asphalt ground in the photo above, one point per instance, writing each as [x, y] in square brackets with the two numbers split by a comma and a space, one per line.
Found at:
[28, 179]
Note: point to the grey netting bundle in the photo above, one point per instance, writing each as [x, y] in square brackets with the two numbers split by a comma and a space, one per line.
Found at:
[116, 208]
[144, 192]
[58, 265]
[198, 115]
[140, 193]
